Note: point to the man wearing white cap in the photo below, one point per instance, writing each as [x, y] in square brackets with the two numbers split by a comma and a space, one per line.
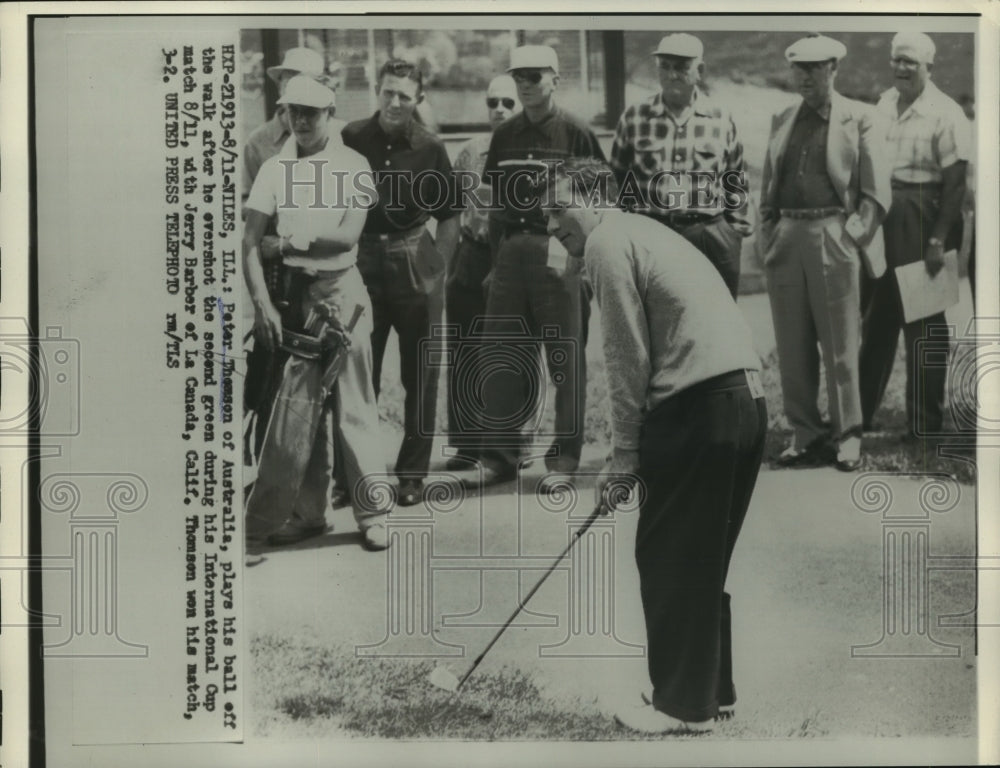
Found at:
[533, 279]
[825, 191]
[319, 225]
[929, 148]
[267, 139]
[667, 144]
[265, 142]
[465, 292]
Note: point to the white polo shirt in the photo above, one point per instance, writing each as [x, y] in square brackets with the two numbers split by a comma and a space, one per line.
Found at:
[311, 196]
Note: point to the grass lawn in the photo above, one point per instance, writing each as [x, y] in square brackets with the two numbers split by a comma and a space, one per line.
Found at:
[391, 698]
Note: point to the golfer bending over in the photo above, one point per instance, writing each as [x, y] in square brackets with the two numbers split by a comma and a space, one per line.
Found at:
[688, 421]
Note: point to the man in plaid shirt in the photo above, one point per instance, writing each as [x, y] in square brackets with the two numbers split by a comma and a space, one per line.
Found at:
[678, 159]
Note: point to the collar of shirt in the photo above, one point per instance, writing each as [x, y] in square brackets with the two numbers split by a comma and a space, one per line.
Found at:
[925, 104]
[290, 150]
[415, 136]
[544, 126]
[823, 114]
[278, 128]
[699, 105]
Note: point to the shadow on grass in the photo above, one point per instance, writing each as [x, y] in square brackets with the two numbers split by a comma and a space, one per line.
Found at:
[391, 698]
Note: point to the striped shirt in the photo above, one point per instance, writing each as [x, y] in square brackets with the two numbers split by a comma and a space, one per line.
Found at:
[668, 153]
[931, 135]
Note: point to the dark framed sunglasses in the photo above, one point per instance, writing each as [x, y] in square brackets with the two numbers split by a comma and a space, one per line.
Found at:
[493, 102]
[533, 76]
[296, 111]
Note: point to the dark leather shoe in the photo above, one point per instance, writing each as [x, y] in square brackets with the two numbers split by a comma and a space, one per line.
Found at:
[292, 533]
[848, 465]
[410, 493]
[340, 497]
[459, 463]
[491, 475]
[816, 454]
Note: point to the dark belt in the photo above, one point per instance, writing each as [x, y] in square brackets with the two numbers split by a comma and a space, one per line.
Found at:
[722, 381]
[811, 213]
[319, 274]
[931, 186]
[510, 231]
[687, 219]
[371, 238]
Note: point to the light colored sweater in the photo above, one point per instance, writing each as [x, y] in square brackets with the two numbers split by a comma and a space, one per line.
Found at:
[667, 318]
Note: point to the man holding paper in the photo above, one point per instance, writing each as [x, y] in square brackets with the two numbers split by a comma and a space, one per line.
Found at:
[825, 193]
[929, 146]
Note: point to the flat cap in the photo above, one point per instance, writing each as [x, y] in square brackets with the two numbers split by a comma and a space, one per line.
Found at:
[297, 61]
[534, 57]
[914, 45]
[306, 92]
[815, 48]
[680, 44]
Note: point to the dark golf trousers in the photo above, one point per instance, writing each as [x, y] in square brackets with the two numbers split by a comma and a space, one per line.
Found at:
[906, 229]
[699, 455]
[532, 307]
[407, 299]
[465, 302]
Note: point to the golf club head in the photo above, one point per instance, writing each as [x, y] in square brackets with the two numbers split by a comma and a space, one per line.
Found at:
[443, 678]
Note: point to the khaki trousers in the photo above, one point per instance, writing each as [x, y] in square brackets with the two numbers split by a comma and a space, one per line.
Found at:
[812, 270]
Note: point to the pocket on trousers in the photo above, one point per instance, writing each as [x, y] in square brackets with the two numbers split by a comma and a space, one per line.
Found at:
[841, 261]
[426, 263]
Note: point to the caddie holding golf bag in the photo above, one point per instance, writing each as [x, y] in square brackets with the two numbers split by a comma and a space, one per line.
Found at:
[318, 190]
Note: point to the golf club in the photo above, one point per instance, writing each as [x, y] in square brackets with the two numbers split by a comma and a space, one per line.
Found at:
[444, 678]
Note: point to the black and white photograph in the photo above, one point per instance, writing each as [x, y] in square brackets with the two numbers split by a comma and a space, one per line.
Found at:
[431, 384]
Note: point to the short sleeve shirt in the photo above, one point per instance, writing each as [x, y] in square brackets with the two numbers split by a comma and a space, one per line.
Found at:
[931, 135]
[311, 196]
[520, 150]
[413, 175]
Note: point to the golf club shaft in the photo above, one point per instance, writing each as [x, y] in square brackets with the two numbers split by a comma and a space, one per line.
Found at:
[520, 606]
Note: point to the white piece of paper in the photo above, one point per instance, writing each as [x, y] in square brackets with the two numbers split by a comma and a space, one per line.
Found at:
[923, 295]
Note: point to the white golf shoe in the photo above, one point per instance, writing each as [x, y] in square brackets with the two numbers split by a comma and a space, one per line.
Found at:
[643, 718]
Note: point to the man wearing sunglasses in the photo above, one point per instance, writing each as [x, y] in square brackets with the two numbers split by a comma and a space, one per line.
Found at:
[678, 157]
[825, 191]
[465, 289]
[535, 292]
[402, 265]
